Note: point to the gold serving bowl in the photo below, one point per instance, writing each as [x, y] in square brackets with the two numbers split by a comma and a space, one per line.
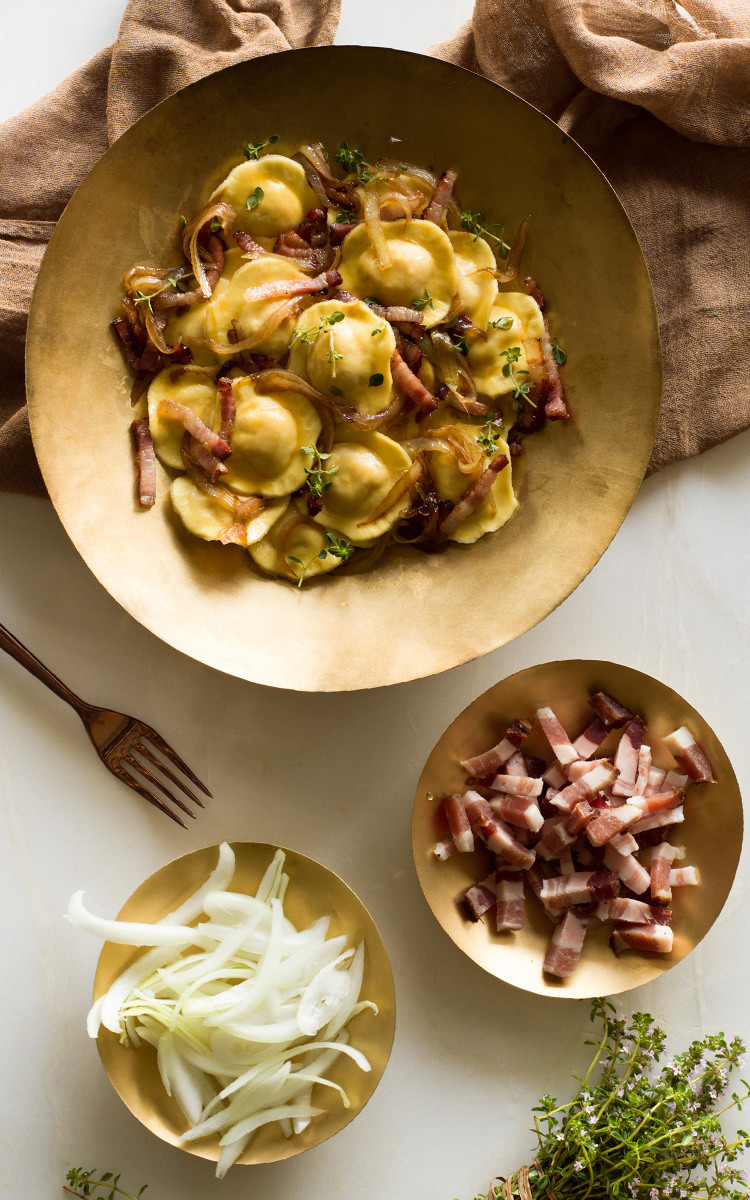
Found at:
[412, 614]
[313, 892]
[711, 832]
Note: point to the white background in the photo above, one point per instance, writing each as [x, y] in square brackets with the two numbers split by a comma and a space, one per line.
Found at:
[330, 775]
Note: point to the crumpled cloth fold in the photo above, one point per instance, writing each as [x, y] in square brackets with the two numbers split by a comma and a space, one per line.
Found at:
[657, 92]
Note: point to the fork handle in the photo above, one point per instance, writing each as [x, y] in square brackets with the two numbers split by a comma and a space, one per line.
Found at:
[17, 650]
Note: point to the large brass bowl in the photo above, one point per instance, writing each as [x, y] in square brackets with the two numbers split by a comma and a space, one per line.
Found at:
[711, 833]
[413, 615]
[313, 892]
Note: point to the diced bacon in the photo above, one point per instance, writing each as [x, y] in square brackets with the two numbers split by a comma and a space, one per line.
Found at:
[609, 822]
[565, 946]
[673, 779]
[475, 494]
[492, 760]
[662, 858]
[443, 850]
[656, 777]
[411, 384]
[588, 785]
[582, 887]
[495, 833]
[644, 770]
[558, 739]
[624, 843]
[555, 838]
[578, 769]
[517, 785]
[567, 866]
[555, 777]
[628, 870]
[657, 802]
[635, 912]
[145, 460]
[689, 755]
[187, 418]
[580, 817]
[588, 742]
[516, 764]
[671, 816]
[683, 877]
[509, 890]
[651, 939]
[626, 757]
[610, 712]
[441, 197]
[519, 810]
[481, 897]
[458, 823]
[249, 247]
[283, 289]
[228, 409]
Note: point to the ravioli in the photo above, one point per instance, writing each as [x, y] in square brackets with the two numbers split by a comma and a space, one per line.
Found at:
[352, 355]
[301, 540]
[196, 390]
[423, 267]
[497, 507]
[269, 432]
[229, 304]
[365, 467]
[524, 319]
[206, 518]
[286, 195]
[477, 288]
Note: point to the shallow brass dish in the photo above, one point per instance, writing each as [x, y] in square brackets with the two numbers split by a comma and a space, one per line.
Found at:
[711, 832]
[313, 891]
[413, 615]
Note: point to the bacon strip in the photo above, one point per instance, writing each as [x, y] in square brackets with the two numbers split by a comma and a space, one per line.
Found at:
[588, 742]
[492, 760]
[554, 777]
[474, 496]
[495, 833]
[443, 850]
[635, 912]
[565, 946]
[145, 459]
[247, 244]
[532, 289]
[644, 770]
[626, 757]
[656, 777]
[458, 823]
[581, 815]
[509, 890]
[657, 802]
[672, 816]
[441, 197]
[516, 765]
[689, 755]
[519, 810]
[517, 785]
[129, 343]
[408, 382]
[595, 780]
[281, 289]
[627, 869]
[610, 822]
[194, 426]
[649, 939]
[558, 739]
[555, 408]
[683, 877]
[610, 712]
[228, 409]
[582, 887]
[624, 843]
[555, 837]
[662, 858]
[481, 897]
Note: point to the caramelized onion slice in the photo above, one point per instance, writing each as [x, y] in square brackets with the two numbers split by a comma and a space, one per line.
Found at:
[219, 211]
[403, 484]
[375, 225]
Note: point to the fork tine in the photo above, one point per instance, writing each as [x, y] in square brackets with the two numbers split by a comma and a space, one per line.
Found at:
[142, 769]
[175, 759]
[133, 783]
[144, 749]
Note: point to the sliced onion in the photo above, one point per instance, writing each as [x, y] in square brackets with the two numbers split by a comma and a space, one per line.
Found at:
[279, 313]
[513, 260]
[218, 210]
[375, 226]
[403, 484]
[279, 380]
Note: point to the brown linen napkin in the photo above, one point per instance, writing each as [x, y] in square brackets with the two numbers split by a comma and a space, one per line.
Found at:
[657, 92]
[47, 150]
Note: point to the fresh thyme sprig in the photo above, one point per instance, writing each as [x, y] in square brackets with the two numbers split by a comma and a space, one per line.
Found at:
[423, 302]
[316, 473]
[350, 159]
[490, 433]
[181, 285]
[558, 353]
[252, 150]
[91, 1183]
[309, 335]
[337, 547]
[512, 355]
[473, 222]
[632, 1134]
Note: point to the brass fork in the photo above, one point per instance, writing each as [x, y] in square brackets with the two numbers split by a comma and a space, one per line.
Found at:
[125, 746]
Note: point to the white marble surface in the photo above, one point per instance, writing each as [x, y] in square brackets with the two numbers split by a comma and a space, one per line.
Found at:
[471, 1056]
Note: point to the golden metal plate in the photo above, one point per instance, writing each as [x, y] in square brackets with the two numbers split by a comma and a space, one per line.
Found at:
[313, 892]
[415, 614]
[711, 832]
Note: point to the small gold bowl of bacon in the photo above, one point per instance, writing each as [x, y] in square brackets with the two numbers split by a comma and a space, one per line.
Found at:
[577, 829]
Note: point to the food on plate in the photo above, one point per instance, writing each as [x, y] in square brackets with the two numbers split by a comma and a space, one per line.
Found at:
[343, 359]
[592, 836]
[247, 1013]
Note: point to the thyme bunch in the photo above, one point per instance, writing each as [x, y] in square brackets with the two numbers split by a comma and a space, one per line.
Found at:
[92, 1183]
[634, 1132]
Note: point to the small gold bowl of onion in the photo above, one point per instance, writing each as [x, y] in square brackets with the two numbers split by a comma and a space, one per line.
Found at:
[259, 1020]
